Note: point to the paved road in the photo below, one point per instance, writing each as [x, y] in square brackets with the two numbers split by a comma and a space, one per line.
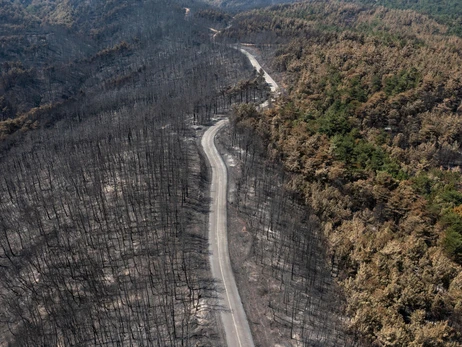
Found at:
[233, 316]
[273, 85]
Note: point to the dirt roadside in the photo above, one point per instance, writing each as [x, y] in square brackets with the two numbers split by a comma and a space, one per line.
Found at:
[254, 284]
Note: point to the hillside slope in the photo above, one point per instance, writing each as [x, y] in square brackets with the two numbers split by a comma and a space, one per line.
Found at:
[235, 5]
[370, 130]
[54, 53]
[103, 214]
[448, 12]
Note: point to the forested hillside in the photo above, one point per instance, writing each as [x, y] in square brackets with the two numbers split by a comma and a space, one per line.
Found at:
[286, 283]
[55, 55]
[346, 194]
[103, 209]
[370, 130]
[445, 11]
[236, 5]
[451, 8]
[47, 49]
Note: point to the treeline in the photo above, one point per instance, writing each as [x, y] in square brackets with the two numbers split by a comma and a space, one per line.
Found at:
[291, 289]
[370, 128]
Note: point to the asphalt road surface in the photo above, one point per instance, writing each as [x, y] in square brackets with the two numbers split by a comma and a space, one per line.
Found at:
[233, 316]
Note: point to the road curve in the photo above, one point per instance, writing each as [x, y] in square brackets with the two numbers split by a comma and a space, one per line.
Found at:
[233, 316]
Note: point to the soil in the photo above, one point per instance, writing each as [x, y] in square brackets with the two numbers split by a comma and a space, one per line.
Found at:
[254, 284]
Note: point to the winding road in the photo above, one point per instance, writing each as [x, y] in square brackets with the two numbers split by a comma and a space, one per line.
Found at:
[233, 317]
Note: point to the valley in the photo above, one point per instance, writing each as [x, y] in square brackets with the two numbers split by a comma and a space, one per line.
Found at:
[230, 173]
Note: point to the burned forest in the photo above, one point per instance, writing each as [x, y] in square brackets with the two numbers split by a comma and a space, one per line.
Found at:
[103, 208]
[230, 173]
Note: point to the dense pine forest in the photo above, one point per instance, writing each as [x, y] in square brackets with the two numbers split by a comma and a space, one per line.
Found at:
[369, 130]
[345, 194]
[445, 11]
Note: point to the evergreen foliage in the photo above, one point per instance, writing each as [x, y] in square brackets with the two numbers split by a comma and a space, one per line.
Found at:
[370, 128]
